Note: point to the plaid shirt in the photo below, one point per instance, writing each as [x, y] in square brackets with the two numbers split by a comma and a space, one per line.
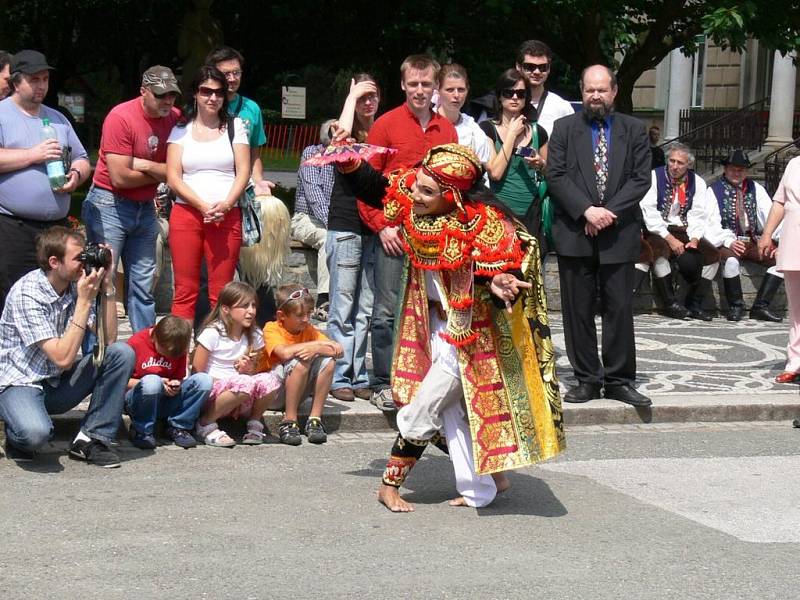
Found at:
[34, 312]
[314, 186]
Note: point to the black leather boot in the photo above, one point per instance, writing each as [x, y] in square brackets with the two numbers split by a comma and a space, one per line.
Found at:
[694, 300]
[733, 294]
[638, 279]
[760, 310]
[663, 288]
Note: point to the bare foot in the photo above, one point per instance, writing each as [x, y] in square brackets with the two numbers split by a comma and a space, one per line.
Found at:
[501, 482]
[460, 501]
[389, 496]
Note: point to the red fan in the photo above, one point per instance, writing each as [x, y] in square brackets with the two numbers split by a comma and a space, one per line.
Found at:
[343, 152]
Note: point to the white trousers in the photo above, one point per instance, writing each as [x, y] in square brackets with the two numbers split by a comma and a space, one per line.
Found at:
[437, 406]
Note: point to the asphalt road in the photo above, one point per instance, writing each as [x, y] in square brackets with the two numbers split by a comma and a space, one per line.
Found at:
[671, 511]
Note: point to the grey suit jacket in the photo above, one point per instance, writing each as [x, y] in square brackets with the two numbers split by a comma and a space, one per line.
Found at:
[572, 184]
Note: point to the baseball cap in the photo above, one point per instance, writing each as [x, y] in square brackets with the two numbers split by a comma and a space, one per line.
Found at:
[29, 61]
[160, 80]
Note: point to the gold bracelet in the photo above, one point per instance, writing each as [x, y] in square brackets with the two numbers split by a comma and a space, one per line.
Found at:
[76, 325]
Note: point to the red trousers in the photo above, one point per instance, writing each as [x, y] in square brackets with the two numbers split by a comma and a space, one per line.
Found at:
[189, 241]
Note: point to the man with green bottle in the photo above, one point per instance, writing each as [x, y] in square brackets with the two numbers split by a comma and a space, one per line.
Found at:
[28, 203]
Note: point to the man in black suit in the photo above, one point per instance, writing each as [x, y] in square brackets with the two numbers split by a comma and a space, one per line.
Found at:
[598, 170]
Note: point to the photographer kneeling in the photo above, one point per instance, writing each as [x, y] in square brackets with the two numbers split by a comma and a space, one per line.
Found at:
[46, 315]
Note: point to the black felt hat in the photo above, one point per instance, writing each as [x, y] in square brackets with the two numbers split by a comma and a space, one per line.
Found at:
[737, 158]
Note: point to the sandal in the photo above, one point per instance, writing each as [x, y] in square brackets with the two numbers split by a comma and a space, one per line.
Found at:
[321, 312]
[220, 439]
[254, 438]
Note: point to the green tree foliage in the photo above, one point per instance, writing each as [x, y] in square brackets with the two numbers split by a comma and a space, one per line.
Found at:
[102, 46]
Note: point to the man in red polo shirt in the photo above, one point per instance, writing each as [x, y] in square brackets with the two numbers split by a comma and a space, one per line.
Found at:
[412, 129]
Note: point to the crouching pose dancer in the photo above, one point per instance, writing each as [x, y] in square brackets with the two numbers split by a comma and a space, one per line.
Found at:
[469, 359]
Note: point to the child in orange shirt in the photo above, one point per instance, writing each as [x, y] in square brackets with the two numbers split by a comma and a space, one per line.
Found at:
[302, 358]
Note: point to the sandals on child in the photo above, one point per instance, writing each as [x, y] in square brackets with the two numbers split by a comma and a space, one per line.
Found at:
[220, 439]
[254, 438]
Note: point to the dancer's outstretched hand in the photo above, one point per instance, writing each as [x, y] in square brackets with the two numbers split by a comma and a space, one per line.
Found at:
[506, 287]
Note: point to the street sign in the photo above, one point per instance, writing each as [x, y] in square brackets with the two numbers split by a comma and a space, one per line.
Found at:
[293, 102]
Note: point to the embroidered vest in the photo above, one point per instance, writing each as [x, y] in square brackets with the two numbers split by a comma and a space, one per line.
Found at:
[725, 193]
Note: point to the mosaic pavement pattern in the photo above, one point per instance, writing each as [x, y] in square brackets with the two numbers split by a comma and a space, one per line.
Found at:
[694, 357]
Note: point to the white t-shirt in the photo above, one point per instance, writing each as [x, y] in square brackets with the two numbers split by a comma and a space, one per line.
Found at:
[208, 166]
[224, 351]
[554, 108]
[472, 136]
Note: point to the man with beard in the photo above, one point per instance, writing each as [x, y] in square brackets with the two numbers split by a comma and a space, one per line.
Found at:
[598, 171]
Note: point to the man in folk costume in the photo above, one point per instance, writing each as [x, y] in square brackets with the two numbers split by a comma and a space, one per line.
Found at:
[463, 343]
[738, 209]
[674, 210]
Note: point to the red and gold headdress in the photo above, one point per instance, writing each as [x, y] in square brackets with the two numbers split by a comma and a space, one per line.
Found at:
[455, 168]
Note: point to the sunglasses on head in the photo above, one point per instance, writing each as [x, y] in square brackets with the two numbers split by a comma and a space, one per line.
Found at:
[510, 93]
[531, 67]
[209, 91]
[295, 295]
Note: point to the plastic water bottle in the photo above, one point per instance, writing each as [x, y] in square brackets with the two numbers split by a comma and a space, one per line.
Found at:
[55, 167]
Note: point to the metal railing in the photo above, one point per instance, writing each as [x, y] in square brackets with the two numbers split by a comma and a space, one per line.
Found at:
[775, 164]
[714, 133]
[285, 140]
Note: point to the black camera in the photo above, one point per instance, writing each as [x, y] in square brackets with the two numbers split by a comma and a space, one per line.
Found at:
[95, 256]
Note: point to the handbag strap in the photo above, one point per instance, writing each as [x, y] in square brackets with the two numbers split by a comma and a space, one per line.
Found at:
[230, 126]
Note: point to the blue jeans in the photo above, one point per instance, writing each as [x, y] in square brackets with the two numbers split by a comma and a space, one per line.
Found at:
[387, 272]
[26, 410]
[131, 229]
[147, 401]
[350, 307]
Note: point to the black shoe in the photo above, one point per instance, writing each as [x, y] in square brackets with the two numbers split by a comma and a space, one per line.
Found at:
[676, 311]
[143, 441]
[181, 437]
[289, 432]
[94, 453]
[583, 392]
[18, 454]
[762, 313]
[735, 313]
[626, 394]
[315, 432]
[699, 314]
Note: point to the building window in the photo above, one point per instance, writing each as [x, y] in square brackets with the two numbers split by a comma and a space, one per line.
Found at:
[698, 72]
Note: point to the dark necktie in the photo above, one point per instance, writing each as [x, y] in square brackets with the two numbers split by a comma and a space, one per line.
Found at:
[601, 160]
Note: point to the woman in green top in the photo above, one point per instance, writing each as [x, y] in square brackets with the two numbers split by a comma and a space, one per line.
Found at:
[519, 153]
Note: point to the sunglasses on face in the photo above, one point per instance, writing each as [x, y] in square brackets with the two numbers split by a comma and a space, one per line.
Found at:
[531, 67]
[511, 93]
[165, 95]
[208, 91]
[232, 74]
[295, 295]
